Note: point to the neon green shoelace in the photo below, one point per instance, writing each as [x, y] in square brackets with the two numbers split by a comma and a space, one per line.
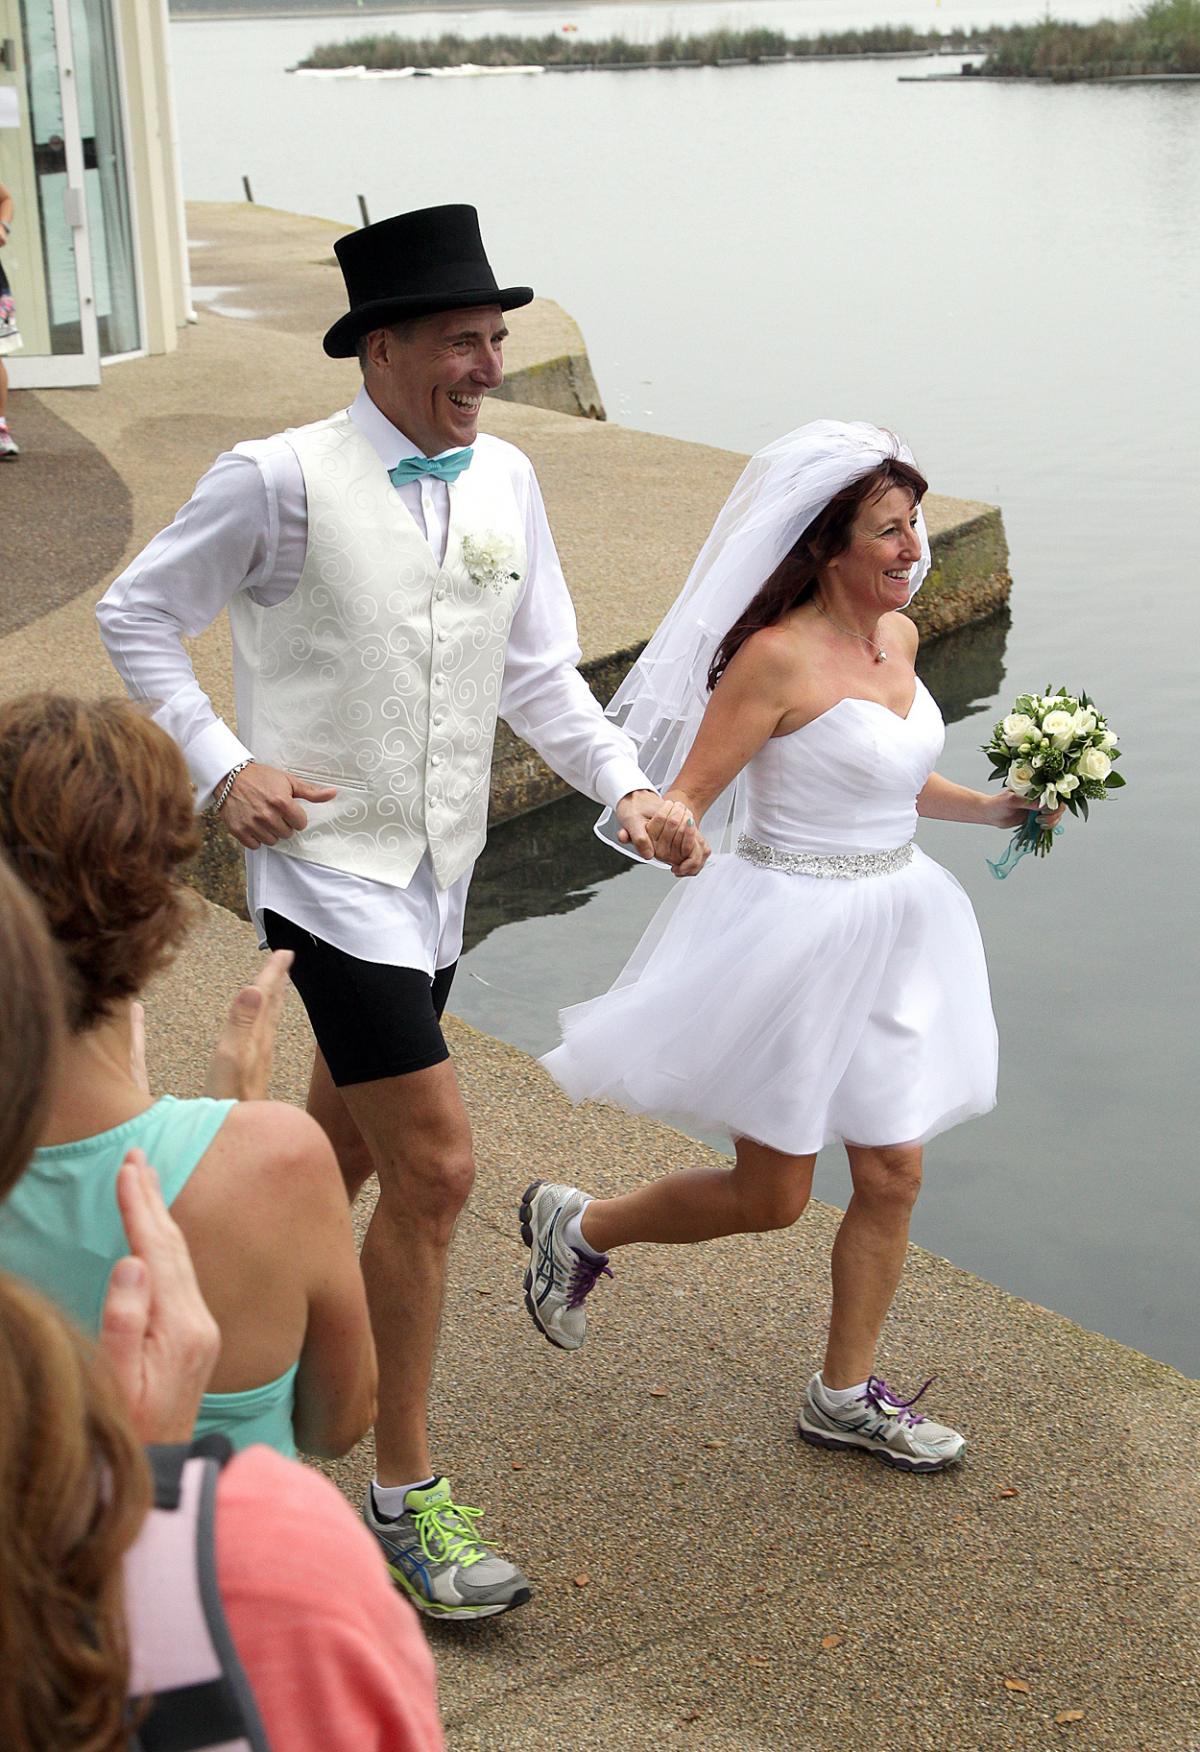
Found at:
[451, 1526]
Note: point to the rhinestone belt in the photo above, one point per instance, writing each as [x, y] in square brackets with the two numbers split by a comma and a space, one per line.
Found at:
[843, 864]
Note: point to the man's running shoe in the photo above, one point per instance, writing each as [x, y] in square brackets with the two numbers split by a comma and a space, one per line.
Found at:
[880, 1423]
[560, 1278]
[8, 444]
[436, 1557]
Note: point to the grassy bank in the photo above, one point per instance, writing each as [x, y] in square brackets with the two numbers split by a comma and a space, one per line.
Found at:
[1163, 38]
[568, 50]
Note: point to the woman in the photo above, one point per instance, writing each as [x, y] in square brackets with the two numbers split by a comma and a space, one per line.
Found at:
[10, 334]
[825, 980]
[96, 813]
[331, 1655]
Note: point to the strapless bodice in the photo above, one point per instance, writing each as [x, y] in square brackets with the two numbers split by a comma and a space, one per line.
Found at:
[846, 781]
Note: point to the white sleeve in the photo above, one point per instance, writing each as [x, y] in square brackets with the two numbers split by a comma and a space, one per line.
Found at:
[225, 539]
[543, 697]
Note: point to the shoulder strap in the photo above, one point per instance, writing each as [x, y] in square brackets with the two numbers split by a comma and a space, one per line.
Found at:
[188, 1688]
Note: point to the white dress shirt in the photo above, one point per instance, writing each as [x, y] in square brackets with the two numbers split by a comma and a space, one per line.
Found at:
[246, 528]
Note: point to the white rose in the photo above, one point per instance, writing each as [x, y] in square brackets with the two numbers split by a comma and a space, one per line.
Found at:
[1015, 728]
[1085, 721]
[1093, 763]
[1107, 741]
[1020, 778]
[1060, 728]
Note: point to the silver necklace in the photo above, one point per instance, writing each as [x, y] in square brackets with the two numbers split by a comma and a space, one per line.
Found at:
[880, 653]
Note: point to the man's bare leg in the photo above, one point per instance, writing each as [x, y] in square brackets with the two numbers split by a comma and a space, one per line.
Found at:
[413, 1132]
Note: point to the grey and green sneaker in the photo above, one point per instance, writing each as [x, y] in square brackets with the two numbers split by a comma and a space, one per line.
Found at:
[560, 1278]
[882, 1424]
[436, 1557]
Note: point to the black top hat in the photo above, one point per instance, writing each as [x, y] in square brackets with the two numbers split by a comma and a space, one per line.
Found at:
[414, 265]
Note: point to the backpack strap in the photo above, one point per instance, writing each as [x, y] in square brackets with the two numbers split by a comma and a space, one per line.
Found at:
[188, 1688]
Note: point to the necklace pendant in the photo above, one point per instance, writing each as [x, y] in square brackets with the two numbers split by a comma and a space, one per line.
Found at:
[881, 656]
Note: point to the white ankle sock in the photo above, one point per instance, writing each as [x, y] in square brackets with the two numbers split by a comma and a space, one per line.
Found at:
[841, 1395]
[573, 1235]
[389, 1498]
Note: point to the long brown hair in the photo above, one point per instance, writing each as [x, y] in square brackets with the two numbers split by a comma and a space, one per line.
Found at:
[74, 1490]
[97, 814]
[797, 574]
[31, 1030]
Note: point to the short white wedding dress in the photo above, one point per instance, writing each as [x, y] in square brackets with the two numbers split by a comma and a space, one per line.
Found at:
[826, 981]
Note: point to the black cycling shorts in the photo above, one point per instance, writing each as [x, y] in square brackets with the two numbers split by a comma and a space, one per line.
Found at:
[370, 1020]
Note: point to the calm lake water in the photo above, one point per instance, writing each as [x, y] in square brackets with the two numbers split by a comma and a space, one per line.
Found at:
[1010, 275]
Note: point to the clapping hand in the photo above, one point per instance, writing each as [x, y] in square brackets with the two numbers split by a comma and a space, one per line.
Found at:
[240, 1067]
[160, 1340]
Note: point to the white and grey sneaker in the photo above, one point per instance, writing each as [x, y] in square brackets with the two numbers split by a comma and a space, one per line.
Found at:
[437, 1558]
[560, 1278]
[882, 1424]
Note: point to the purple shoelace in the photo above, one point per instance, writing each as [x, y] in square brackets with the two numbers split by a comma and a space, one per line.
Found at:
[585, 1274]
[880, 1397]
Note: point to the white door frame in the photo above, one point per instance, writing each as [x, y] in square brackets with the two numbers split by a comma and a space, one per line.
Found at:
[67, 370]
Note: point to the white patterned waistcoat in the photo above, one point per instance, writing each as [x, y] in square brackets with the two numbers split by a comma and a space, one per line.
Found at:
[380, 673]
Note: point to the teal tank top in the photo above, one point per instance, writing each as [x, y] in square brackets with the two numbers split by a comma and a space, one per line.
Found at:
[61, 1231]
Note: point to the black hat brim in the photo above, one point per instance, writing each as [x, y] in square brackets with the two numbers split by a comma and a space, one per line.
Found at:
[342, 340]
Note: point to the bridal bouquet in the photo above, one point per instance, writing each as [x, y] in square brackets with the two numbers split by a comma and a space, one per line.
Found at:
[1051, 748]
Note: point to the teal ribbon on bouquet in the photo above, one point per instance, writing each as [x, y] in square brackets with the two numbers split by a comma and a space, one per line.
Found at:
[1023, 841]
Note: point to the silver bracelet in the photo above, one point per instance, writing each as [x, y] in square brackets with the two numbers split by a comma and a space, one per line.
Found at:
[227, 787]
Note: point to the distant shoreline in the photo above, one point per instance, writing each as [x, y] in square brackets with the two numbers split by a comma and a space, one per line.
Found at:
[398, 7]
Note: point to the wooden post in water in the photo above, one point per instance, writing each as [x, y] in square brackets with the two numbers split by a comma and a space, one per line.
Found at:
[362, 207]
[246, 186]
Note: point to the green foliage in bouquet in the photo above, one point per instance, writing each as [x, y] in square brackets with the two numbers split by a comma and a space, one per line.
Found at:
[1052, 748]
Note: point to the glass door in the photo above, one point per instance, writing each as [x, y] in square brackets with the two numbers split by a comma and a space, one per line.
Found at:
[47, 260]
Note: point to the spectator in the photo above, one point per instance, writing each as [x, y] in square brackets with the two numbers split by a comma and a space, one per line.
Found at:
[328, 1653]
[10, 334]
[96, 812]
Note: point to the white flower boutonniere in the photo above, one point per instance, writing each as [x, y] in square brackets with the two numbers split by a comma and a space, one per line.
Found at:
[491, 560]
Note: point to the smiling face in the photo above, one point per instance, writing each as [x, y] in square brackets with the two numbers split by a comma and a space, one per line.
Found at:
[430, 375]
[874, 569]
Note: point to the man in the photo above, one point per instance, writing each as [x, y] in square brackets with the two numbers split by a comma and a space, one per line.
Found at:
[392, 587]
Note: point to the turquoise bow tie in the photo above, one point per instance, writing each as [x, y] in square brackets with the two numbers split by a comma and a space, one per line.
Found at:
[438, 468]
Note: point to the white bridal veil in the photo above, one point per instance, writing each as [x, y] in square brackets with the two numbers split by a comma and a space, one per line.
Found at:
[782, 488]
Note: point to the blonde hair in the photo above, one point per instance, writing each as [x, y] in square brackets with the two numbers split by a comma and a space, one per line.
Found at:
[74, 1491]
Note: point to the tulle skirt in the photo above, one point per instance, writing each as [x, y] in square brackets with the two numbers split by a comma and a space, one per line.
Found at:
[795, 1010]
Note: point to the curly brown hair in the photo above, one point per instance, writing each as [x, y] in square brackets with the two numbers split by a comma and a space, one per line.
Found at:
[97, 814]
[828, 535]
[74, 1491]
[31, 1025]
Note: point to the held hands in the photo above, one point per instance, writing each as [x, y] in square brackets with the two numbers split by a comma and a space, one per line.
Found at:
[160, 1340]
[663, 828]
[240, 1066]
[262, 807]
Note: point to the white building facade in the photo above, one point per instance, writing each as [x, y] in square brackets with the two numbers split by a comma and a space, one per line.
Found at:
[97, 254]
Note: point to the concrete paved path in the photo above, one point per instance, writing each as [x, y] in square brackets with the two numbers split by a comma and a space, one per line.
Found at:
[703, 1579]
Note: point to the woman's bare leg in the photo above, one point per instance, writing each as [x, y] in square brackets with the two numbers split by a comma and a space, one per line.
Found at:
[868, 1256]
[763, 1190]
